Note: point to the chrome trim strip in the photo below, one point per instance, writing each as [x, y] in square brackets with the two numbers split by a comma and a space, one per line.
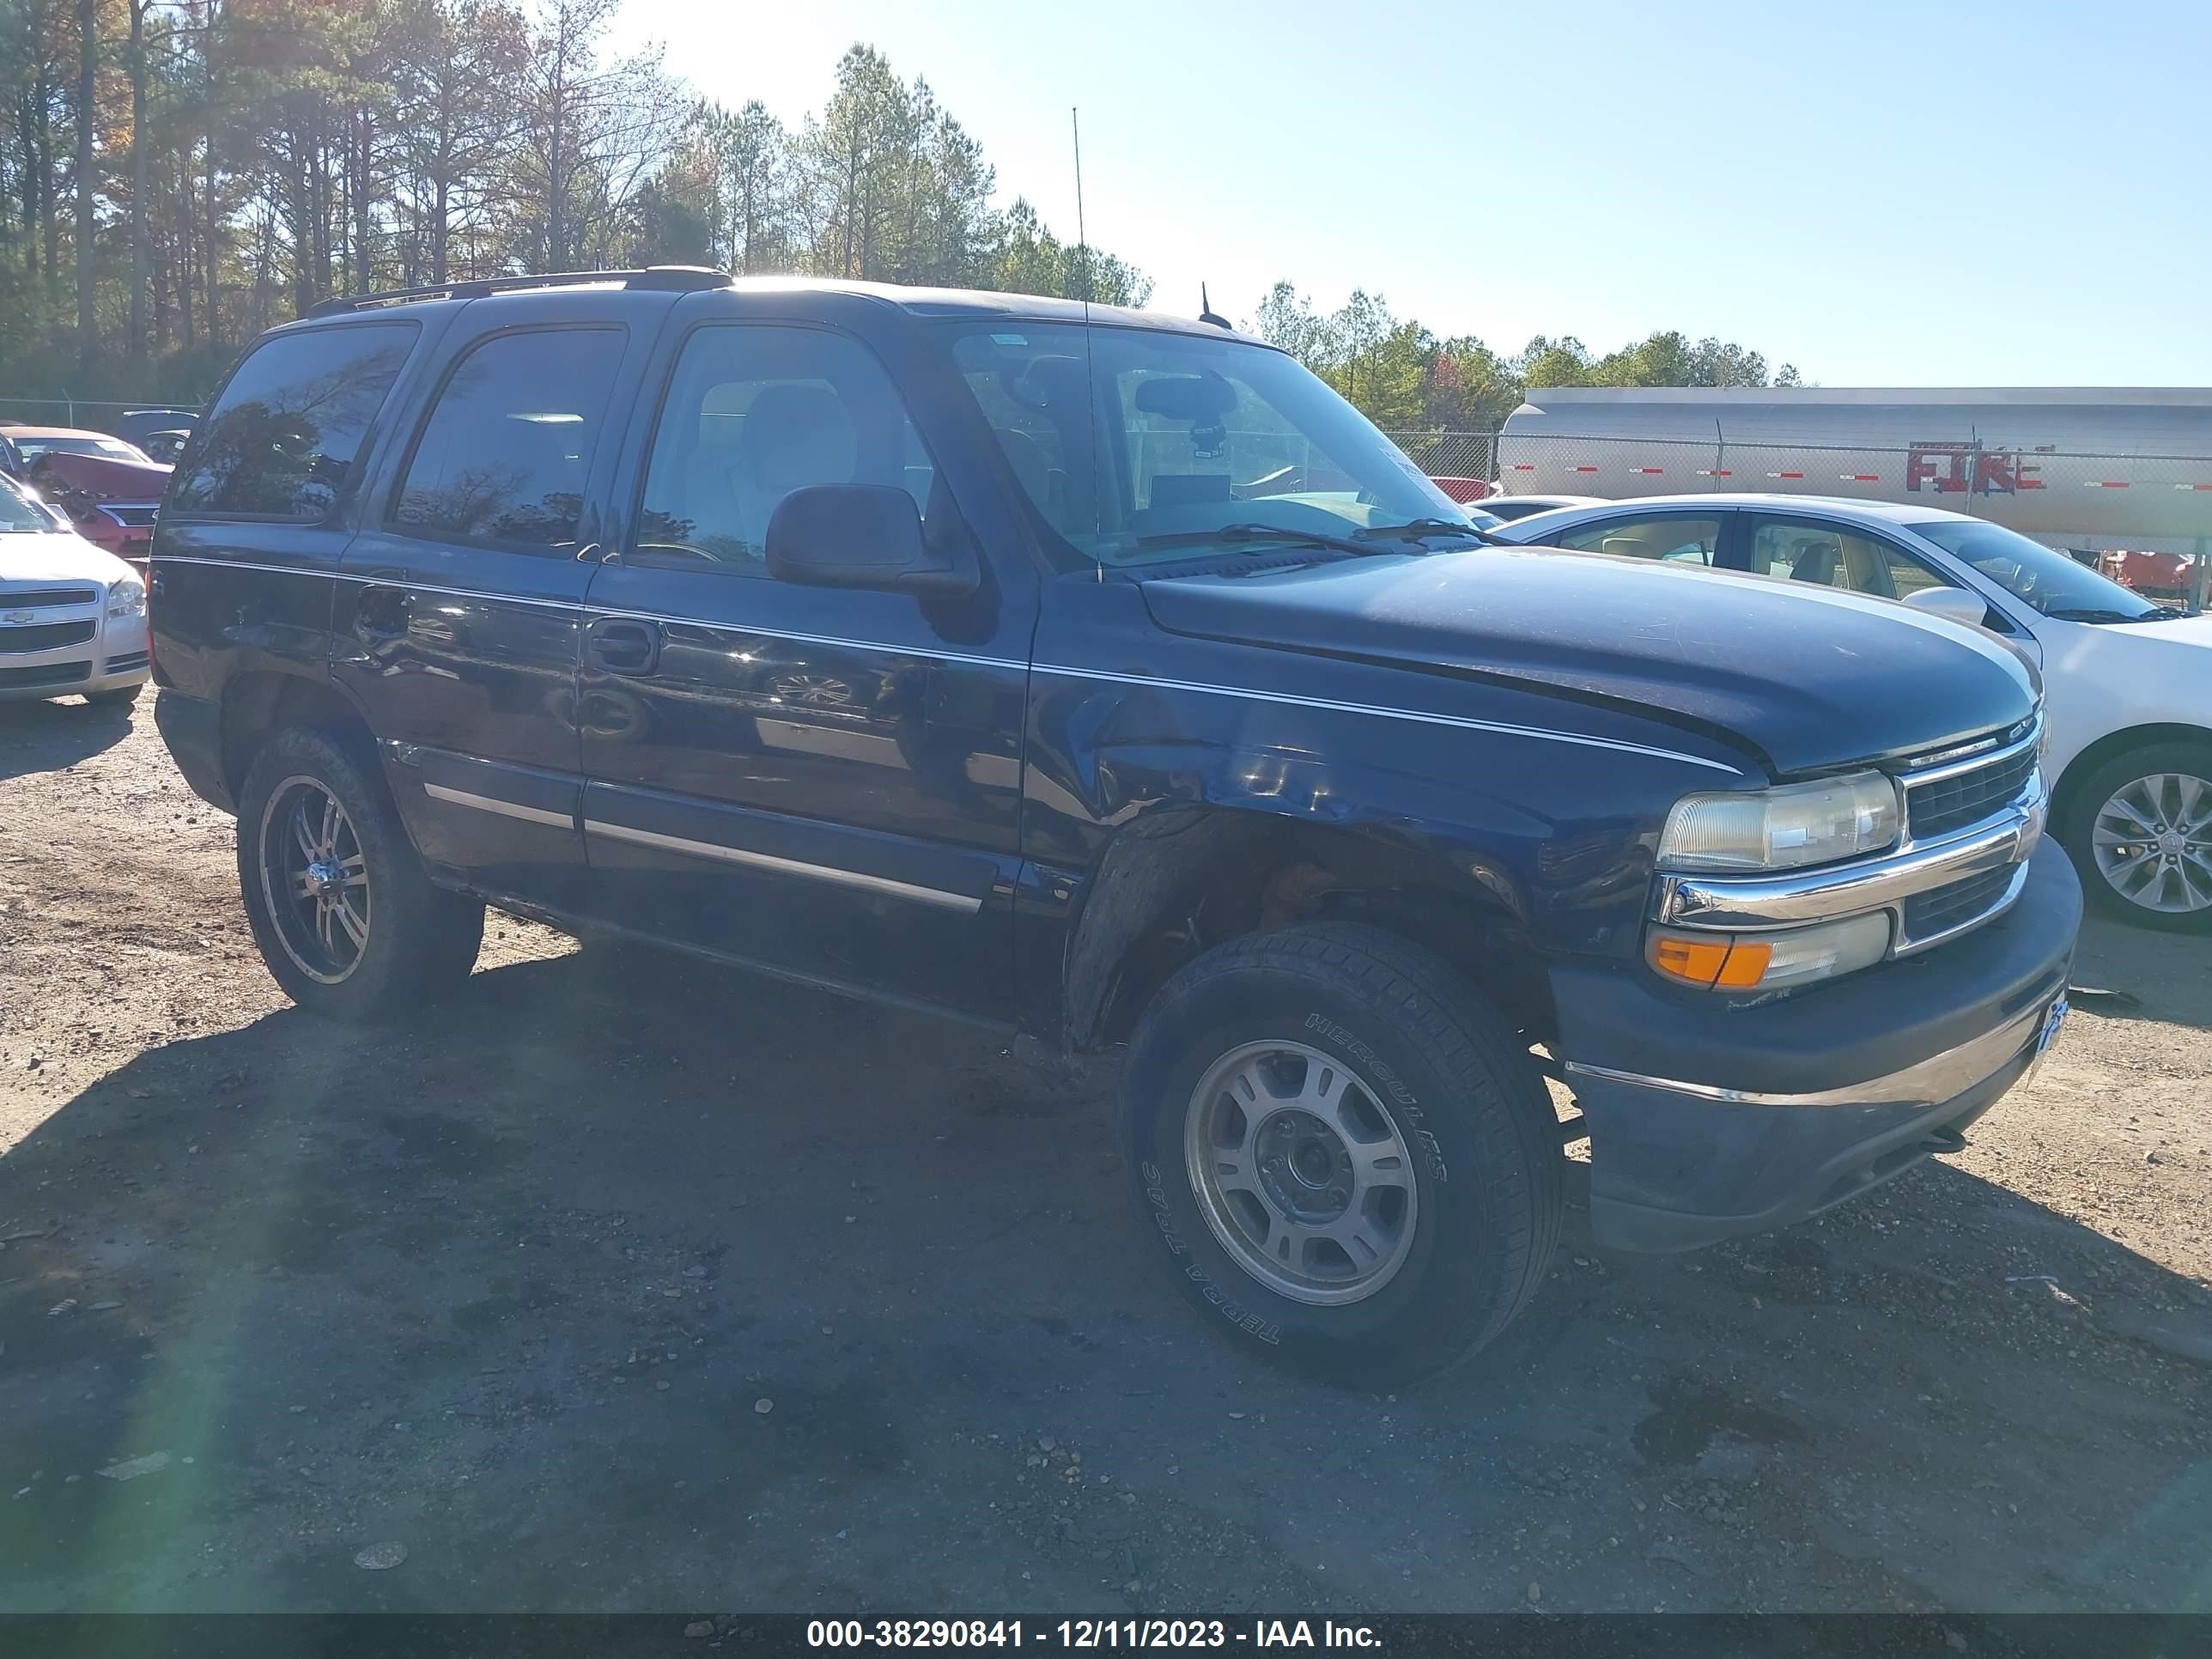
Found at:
[1931, 1082]
[363, 576]
[1614, 745]
[581, 607]
[1838, 891]
[505, 808]
[1911, 781]
[928, 651]
[1617, 745]
[708, 849]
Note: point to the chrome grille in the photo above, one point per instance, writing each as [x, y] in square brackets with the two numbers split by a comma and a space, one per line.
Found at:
[44, 636]
[1963, 795]
[42, 599]
[1947, 910]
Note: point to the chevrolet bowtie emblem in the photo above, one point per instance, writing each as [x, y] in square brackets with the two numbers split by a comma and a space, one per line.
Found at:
[20, 616]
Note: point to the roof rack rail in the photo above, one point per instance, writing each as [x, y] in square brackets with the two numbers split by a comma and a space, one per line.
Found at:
[666, 279]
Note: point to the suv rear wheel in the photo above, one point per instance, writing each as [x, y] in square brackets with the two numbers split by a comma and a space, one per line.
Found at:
[2141, 836]
[1344, 1151]
[345, 917]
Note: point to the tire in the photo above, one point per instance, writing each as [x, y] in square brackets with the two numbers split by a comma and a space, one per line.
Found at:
[2113, 799]
[1453, 1244]
[409, 940]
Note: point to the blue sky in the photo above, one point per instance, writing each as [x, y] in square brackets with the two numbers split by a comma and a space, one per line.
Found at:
[1953, 193]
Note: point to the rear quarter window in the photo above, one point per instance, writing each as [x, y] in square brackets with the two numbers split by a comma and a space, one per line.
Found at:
[282, 440]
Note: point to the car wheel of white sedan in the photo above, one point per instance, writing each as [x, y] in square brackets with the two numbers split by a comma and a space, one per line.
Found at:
[2141, 836]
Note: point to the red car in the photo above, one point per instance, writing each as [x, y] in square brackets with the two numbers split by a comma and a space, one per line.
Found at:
[108, 488]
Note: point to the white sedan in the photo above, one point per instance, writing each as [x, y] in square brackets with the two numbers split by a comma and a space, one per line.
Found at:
[2128, 683]
[72, 615]
[1509, 508]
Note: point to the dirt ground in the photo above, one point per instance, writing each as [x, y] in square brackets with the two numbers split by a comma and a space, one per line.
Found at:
[613, 1288]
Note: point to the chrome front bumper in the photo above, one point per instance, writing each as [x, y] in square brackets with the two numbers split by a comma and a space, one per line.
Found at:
[1931, 1082]
[1690, 1100]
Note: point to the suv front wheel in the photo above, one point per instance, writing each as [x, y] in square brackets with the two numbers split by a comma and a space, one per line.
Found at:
[345, 916]
[1344, 1151]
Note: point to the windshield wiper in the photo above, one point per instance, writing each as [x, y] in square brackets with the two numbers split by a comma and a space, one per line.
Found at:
[1238, 534]
[1414, 529]
[2087, 614]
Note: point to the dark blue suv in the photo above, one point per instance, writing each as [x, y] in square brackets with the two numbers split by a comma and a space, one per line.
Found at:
[1108, 678]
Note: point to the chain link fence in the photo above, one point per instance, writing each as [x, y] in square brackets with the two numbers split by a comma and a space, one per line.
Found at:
[1450, 454]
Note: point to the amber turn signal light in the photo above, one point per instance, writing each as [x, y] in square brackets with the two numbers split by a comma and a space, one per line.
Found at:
[1710, 963]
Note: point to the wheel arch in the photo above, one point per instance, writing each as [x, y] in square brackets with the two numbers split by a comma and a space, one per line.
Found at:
[2065, 794]
[262, 702]
[1181, 879]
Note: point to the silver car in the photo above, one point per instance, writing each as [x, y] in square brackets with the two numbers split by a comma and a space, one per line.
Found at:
[72, 615]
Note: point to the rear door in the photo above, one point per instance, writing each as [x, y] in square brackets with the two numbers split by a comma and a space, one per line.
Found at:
[457, 618]
[820, 781]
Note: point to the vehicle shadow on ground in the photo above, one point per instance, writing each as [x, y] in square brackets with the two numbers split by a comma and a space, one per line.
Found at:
[635, 1287]
[45, 736]
[2168, 976]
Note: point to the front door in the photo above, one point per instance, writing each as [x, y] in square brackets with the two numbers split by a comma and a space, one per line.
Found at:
[459, 615]
[818, 782]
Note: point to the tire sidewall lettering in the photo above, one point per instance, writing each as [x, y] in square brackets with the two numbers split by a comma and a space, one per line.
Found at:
[1403, 1102]
[1244, 1319]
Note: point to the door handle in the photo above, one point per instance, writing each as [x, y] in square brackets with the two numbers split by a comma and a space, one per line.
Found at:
[616, 645]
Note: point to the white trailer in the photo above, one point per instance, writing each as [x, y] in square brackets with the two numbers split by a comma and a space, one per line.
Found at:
[2080, 468]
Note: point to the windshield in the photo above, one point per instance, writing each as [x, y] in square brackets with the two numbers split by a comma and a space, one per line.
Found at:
[1138, 446]
[2054, 584]
[21, 516]
[87, 444]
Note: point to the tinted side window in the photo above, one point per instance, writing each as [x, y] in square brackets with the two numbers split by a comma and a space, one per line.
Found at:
[509, 445]
[1796, 550]
[1683, 540]
[752, 414]
[282, 440]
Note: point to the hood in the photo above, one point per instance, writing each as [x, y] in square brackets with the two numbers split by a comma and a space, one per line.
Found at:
[1806, 678]
[102, 476]
[2181, 631]
[62, 556]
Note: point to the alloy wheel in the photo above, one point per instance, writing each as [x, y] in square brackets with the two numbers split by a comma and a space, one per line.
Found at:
[1301, 1173]
[314, 878]
[2152, 842]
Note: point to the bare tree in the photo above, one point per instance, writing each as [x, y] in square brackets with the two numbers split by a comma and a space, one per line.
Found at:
[457, 63]
[87, 103]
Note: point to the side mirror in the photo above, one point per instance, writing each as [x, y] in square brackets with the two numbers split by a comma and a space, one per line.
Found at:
[1951, 604]
[857, 536]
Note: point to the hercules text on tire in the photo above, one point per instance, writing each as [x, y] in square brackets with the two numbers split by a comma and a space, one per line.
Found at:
[1343, 1152]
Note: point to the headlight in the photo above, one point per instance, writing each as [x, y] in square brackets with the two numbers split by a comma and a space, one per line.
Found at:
[1778, 960]
[127, 599]
[1799, 823]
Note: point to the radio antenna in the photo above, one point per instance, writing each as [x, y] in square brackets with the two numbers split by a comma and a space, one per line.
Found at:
[1082, 239]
